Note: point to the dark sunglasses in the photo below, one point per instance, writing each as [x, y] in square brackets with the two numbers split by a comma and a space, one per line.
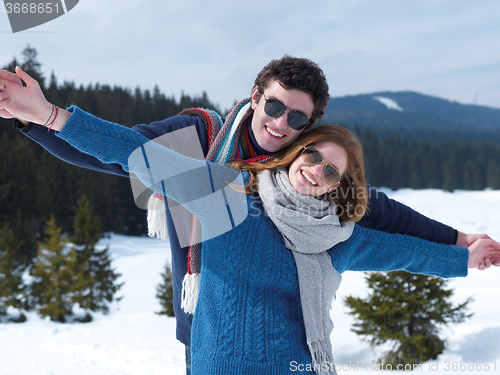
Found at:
[331, 175]
[275, 109]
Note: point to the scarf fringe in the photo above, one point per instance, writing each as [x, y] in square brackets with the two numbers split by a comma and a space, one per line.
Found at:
[322, 357]
[157, 218]
[224, 137]
[190, 291]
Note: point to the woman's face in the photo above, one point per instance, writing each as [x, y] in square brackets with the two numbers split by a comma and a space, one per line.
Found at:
[307, 179]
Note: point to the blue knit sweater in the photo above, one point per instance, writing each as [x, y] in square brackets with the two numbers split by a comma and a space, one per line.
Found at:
[385, 214]
[248, 319]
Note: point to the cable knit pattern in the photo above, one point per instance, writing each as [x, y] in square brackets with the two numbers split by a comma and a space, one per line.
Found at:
[249, 287]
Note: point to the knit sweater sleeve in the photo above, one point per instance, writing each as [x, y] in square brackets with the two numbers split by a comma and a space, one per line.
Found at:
[370, 250]
[391, 216]
[206, 189]
[66, 152]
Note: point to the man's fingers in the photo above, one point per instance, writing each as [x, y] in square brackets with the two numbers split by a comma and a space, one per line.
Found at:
[490, 242]
[487, 263]
[5, 101]
[8, 76]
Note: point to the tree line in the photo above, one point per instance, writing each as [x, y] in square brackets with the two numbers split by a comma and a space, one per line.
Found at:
[396, 162]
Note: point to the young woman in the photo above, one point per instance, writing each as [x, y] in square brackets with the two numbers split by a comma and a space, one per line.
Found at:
[268, 279]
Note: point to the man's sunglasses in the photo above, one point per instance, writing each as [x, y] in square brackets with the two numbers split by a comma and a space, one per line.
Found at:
[275, 109]
[331, 175]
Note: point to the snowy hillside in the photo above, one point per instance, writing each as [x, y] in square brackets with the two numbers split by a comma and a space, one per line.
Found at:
[133, 340]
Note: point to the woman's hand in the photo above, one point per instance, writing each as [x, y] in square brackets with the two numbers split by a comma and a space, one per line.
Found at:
[25, 103]
[5, 101]
[483, 253]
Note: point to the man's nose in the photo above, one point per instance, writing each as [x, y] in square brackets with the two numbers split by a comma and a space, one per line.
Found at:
[282, 121]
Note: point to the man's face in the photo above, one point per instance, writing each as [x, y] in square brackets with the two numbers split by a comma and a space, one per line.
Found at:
[274, 134]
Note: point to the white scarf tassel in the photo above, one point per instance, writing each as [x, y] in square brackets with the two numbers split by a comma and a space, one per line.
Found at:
[190, 290]
[157, 218]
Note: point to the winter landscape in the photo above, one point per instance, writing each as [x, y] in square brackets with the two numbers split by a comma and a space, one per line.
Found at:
[133, 340]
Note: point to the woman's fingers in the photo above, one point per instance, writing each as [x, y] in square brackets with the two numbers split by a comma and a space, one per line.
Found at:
[26, 77]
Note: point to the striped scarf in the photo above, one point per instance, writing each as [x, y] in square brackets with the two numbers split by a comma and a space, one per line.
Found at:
[227, 139]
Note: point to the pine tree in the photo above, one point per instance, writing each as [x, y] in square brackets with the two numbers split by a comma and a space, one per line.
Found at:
[11, 270]
[469, 175]
[452, 175]
[474, 175]
[32, 66]
[58, 277]
[493, 175]
[99, 276]
[406, 310]
[165, 293]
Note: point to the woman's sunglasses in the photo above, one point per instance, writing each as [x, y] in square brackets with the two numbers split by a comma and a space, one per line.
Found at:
[331, 175]
[275, 109]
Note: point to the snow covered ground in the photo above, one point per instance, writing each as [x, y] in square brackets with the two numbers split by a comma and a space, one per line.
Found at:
[133, 340]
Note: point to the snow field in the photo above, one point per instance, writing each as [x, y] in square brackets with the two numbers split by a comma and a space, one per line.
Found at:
[133, 340]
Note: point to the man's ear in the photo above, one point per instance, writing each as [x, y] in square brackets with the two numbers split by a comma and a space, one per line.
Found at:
[255, 97]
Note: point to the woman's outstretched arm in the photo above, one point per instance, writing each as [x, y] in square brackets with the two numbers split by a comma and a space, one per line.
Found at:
[206, 189]
[370, 250]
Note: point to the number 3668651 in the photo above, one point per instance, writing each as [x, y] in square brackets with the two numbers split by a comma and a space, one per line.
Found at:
[32, 8]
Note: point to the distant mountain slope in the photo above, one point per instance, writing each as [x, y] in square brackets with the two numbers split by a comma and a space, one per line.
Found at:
[415, 115]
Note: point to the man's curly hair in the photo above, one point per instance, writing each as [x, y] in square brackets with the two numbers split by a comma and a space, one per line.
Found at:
[300, 74]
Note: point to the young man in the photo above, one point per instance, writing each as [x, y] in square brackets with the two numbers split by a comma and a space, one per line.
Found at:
[289, 95]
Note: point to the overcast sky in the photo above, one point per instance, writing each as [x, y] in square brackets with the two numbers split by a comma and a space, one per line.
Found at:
[445, 48]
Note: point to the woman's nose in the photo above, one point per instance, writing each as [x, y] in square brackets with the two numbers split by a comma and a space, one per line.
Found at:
[317, 169]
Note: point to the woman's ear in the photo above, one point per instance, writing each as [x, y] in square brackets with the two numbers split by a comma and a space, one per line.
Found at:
[334, 187]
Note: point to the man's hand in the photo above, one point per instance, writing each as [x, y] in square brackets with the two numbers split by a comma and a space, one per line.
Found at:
[483, 253]
[466, 240]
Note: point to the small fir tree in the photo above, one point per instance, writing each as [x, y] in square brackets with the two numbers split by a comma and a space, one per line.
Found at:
[12, 289]
[406, 310]
[58, 277]
[165, 293]
[99, 276]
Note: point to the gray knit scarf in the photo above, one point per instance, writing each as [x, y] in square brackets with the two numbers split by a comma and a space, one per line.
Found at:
[309, 227]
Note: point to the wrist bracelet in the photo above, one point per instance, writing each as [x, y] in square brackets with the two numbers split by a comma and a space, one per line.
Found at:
[57, 111]
[51, 113]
